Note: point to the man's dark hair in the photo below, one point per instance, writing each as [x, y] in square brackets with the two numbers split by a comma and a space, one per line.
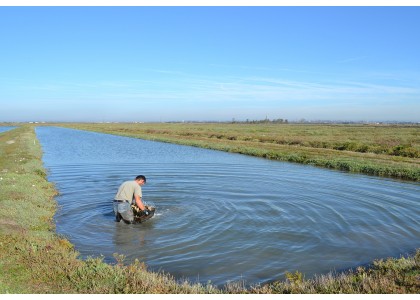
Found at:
[141, 177]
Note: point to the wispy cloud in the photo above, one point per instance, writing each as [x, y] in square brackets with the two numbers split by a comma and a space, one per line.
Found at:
[262, 89]
[189, 87]
[159, 90]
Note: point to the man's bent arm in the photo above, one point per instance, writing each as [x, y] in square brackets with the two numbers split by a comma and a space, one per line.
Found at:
[139, 203]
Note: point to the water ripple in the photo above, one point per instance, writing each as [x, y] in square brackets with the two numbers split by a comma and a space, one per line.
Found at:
[223, 216]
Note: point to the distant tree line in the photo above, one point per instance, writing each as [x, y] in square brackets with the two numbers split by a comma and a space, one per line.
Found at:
[264, 121]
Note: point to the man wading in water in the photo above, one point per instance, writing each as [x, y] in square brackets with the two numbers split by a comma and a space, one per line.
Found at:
[127, 193]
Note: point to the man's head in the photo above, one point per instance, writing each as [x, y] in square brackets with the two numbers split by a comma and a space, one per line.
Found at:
[141, 179]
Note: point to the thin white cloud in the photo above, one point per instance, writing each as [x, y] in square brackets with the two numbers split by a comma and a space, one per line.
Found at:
[235, 89]
[175, 91]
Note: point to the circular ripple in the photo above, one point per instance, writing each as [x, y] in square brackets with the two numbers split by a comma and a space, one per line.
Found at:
[224, 216]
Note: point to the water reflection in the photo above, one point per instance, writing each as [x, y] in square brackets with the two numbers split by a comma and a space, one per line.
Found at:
[223, 216]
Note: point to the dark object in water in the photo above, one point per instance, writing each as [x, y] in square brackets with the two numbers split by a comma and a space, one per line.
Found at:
[140, 216]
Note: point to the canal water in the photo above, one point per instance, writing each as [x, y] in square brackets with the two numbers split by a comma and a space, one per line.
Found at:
[6, 128]
[225, 217]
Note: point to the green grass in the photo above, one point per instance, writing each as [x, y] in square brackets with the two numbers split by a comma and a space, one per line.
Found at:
[380, 150]
[34, 259]
[26, 205]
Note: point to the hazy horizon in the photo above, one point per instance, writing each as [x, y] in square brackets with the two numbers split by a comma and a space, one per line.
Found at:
[159, 64]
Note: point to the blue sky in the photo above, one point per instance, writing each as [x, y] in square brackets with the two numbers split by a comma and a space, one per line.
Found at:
[209, 63]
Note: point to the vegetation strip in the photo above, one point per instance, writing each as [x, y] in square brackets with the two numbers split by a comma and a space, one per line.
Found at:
[34, 259]
[380, 150]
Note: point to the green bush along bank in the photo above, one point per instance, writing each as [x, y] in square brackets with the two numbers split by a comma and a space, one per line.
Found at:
[381, 150]
[34, 259]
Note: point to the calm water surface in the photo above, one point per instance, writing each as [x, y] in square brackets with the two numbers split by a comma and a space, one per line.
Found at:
[225, 217]
[6, 128]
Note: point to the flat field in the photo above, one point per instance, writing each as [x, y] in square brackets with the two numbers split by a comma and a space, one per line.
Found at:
[381, 150]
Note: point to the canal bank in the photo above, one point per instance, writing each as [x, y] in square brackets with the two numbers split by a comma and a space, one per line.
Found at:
[34, 259]
[386, 151]
[224, 216]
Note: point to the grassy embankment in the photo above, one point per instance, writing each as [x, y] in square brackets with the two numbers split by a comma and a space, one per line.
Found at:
[34, 259]
[381, 150]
